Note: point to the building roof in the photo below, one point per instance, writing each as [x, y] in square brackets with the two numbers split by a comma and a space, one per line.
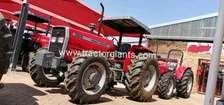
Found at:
[182, 38]
[185, 20]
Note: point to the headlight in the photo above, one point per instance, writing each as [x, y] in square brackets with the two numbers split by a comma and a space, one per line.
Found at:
[53, 39]
[60, 40]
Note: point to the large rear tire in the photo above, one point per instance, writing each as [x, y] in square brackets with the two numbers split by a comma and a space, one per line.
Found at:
[142, 79]
[87, 79]
[5, 47]
[166, 85]
[185, 85]
[43, 77]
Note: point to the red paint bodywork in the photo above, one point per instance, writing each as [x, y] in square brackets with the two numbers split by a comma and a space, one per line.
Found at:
[134, 49]
[163, 67]
[60, 13]
[42, 40]
[80, 44]
[85, 41]
[180, 70]
[82, 14]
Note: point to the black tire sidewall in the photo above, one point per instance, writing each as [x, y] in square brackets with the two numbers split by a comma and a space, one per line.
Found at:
[145, 68]
[185, 76]
[5, 46]
[42, 79]
[89, 98]
[164, 88]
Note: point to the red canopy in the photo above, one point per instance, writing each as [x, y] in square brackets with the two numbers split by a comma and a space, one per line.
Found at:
[71, 13]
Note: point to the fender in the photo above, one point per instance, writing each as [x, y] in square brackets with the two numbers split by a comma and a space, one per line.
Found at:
[134, 49]
[163, 67]
[40, 39]
[180, 72]
[127, 62]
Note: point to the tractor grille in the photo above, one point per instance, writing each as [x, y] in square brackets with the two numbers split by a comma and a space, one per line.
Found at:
[57, 40]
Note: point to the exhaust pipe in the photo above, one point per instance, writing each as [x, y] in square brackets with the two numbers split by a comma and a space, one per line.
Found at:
[101, 19]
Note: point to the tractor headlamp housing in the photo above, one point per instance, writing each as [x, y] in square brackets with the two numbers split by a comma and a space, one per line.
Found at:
[60, 40]
[53, 39]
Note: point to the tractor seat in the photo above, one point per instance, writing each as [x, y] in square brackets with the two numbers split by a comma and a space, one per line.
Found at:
[124, 48]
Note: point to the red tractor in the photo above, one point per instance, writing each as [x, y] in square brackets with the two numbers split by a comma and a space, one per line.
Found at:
[175, 78]
[32, 39]
[86, 78]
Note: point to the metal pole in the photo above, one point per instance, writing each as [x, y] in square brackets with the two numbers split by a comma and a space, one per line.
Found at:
[19, 32]
[215, 59]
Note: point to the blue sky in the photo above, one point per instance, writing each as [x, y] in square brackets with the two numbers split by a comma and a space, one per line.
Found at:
[152, 12]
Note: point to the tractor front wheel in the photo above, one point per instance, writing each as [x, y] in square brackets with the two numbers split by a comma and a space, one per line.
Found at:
[166, 85]
[43, 77]
[87, 79]
[142, 79]
[185, 85]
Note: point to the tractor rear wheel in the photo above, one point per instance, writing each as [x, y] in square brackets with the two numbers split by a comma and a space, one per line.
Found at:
[5, 47]
[166, 85]
[185, 85]
[142, 79]
[43, 77]
[87, 79]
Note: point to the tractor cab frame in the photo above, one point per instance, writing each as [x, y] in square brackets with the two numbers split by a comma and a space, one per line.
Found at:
[36, 19]
[32, 38]
[127, 25]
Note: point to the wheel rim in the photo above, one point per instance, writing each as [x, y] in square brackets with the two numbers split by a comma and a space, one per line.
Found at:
[49, 74]
[150, 77]
[93, 78]
[189, 86]
[171, 85]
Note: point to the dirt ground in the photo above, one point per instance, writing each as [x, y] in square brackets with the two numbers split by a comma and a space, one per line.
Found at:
[20, 90]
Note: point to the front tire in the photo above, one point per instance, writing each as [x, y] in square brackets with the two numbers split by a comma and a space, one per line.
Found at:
[184, 87]
[87, 79]
[142, 79]
[166, 86]
[42, 76]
